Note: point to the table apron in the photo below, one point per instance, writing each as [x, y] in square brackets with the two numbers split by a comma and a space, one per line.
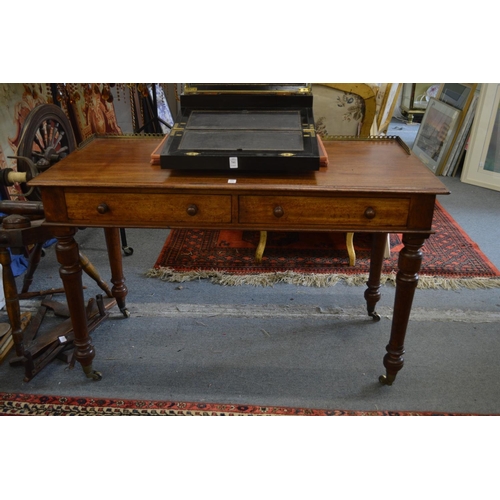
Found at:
[363, 212]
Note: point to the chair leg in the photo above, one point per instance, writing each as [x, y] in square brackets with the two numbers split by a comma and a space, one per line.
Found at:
[387, 250]
[126, 249]
[349, 241]
[259, 252]
[352, 252]
[91, 271]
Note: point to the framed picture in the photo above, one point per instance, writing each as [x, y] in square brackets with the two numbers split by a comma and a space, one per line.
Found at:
[482, 161]
[460, 96]
[457, 150]
[455, 94]
[435, 132]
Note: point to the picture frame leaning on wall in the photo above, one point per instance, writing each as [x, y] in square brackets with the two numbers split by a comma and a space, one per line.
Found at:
[456, 94]
[435, 133]
[482, 160]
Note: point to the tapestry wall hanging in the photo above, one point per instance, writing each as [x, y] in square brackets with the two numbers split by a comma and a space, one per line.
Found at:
[16, 102]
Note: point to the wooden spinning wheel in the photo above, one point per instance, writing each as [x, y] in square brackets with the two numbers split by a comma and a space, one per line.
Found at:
[47, 137]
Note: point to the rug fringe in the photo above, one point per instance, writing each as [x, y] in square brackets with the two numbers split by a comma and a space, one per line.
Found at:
[314, 279]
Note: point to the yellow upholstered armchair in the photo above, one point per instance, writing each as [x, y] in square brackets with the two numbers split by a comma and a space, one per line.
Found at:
[345, 109]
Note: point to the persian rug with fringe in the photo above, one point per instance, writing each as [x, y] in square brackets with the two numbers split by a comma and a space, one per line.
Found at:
[15, 404]
[451, 259]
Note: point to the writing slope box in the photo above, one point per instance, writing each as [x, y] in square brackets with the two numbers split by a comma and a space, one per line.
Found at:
[243, 127]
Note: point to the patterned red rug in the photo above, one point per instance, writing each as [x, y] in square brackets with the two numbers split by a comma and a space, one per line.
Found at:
[33, 405]
[451, 258]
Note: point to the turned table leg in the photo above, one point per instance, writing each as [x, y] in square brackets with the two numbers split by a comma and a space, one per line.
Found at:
[71, 274]
[410, 259]
[372, 293]
[119, 289]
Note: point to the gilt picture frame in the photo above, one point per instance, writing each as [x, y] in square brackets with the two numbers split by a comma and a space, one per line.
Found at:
[435, 133]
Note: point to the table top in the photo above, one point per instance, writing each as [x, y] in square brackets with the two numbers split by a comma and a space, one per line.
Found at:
[374, 166]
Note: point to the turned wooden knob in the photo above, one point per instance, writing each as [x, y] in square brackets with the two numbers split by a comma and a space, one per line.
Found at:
[102, 208]
[16, 221]
[369, 213]
[278, 211]
[192, 210]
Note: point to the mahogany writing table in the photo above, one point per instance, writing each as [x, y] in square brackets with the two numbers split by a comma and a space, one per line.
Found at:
[371, 186]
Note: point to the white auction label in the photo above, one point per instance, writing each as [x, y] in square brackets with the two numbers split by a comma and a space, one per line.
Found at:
[233, 162]
[231, 181]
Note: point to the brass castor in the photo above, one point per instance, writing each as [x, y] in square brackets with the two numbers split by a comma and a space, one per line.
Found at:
[375, 316]
[125, 312]
[127, 251]
[386, 379]
[91, 373]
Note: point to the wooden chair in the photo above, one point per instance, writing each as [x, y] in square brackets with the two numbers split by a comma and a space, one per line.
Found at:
[344, 108]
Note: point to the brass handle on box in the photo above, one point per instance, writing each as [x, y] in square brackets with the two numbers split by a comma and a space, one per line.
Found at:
[192, 210]
[102, 208]
[370, 213]
[278, 211]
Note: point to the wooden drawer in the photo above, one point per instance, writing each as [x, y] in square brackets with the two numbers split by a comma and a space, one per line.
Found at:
[155, 209]
[339, 212]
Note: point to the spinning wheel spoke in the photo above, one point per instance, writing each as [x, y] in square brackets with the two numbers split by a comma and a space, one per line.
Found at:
[52, 129]
[58, 139]
[38, 141]
[47, 138]
[42, 134]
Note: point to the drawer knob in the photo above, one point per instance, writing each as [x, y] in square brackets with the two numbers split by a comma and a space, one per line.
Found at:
[192, 210]
[369, 213]
[102, 208]
[278, 211]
